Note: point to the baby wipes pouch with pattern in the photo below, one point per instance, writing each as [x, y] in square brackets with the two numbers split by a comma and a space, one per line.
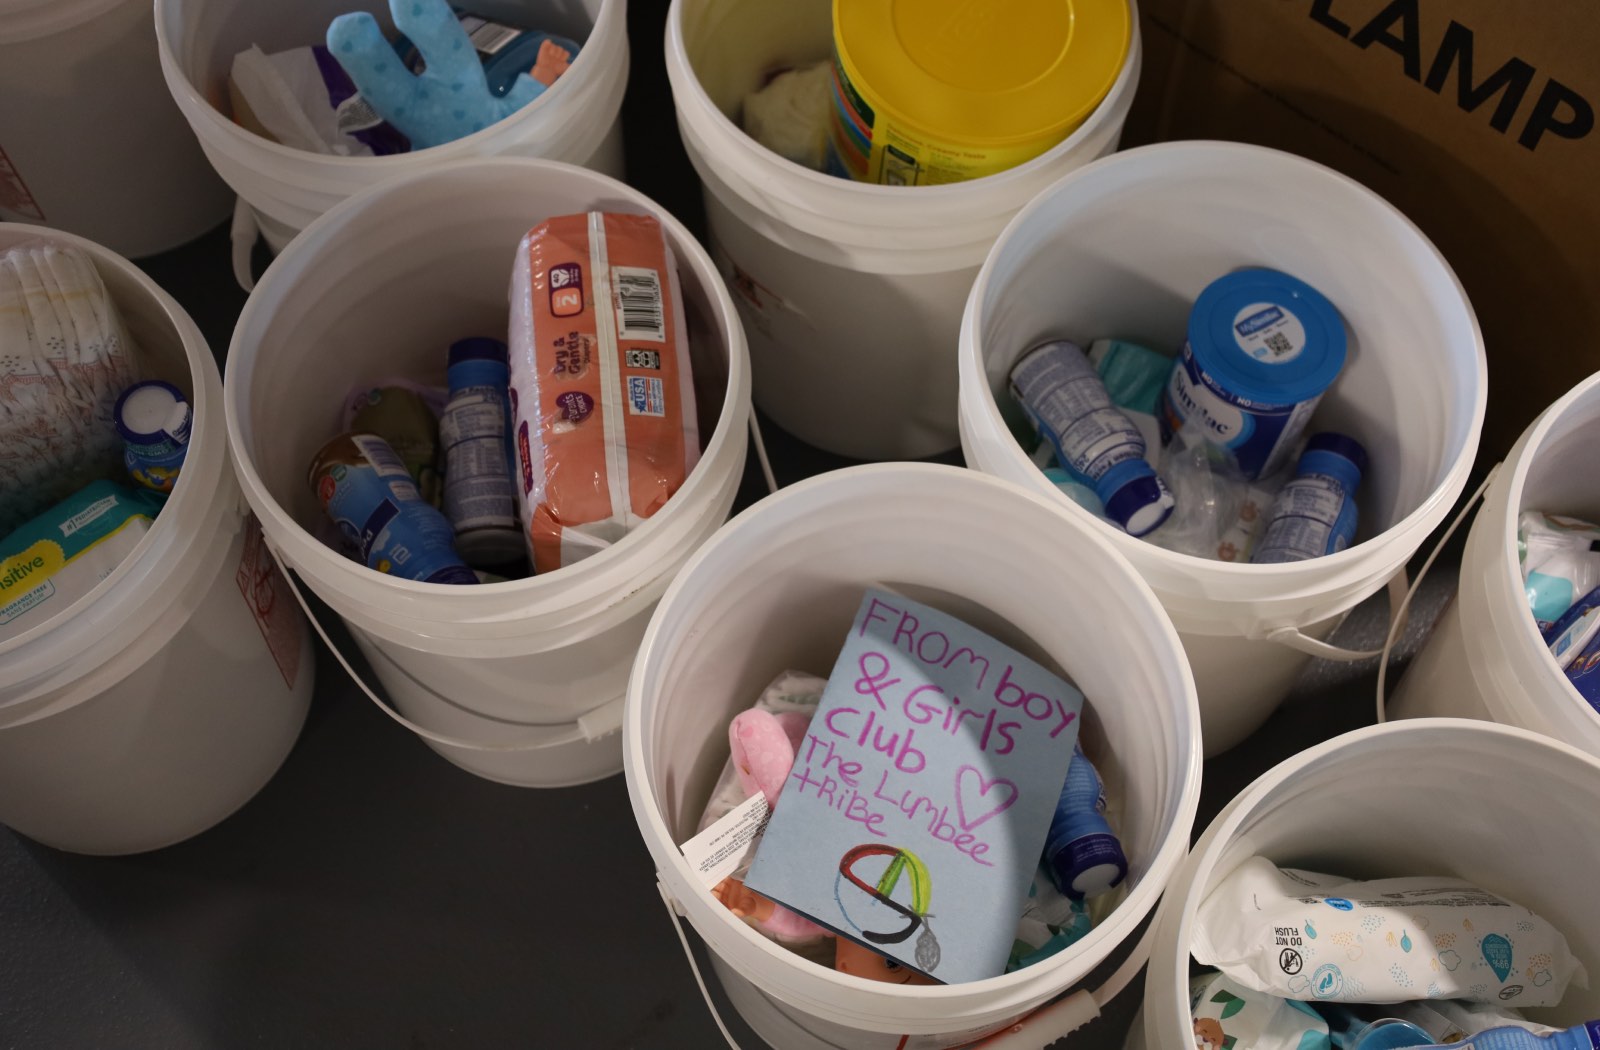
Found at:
[1307, 936]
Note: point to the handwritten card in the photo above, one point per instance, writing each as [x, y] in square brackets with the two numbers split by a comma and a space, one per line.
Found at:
[913, 819]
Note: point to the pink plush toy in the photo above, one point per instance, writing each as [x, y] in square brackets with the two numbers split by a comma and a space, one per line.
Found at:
[764, 746]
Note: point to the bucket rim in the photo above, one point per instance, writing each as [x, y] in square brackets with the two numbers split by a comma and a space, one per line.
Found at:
[195, 105]
[83, 637]
[1175, 918]
[593, 577]
[695, 107]
[1421, 519]
[992, 999]
[1503, 577]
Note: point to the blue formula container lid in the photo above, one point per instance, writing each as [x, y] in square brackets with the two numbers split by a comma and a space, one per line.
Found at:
[1267, 337]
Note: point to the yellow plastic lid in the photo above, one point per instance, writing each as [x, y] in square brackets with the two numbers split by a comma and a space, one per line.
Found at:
[987, 72]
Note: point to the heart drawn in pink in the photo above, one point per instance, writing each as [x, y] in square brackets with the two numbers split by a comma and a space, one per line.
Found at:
[1004, 790]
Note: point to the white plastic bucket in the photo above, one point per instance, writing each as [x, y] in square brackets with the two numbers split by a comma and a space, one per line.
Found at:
[575, 121]
[165, 698]
[1123, 248]
[851, 293]
[1485, 658]
[525, 677]
[1513, 812]
[777, 588]
[89, 139]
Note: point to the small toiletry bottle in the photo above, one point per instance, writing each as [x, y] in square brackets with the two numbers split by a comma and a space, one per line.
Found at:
[1315, 514]
[1067, 400]
[153, 419]
[1081, 852]
[478, 497]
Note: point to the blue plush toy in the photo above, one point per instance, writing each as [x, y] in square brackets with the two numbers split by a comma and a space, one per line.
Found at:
[450, 98]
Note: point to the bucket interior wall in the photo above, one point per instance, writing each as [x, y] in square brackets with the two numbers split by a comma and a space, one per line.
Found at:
[1561, 477]
[388, 299]
[1126, 258]
[158, 348]
[734, 45]
[220, 29]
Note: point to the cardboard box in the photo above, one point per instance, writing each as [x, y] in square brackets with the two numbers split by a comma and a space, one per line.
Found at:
[1474, 117]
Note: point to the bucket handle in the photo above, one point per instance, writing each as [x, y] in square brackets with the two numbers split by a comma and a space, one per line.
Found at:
[1398, 605]
[590, 727]
[1388, 642]
[761, 455]
[1055, 1020]
[242, 235]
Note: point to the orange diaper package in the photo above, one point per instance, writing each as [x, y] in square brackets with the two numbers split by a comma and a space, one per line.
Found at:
[602, 400]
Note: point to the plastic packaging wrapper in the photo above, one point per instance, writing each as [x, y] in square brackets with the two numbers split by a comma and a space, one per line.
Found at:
[601, 393]
[65, 357]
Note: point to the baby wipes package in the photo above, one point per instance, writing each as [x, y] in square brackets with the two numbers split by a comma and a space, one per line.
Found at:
[1305, 935]
[602, 399]
[60, 556]
[1229, 1016]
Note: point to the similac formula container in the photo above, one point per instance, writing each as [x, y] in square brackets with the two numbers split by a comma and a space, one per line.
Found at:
[1262, 349]
[934, 91]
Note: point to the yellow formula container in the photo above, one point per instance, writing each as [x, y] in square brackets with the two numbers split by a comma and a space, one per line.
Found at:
[935, 91]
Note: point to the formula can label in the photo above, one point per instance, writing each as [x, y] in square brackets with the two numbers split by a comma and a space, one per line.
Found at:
[864, 145]
[1260, 435]
[1270, 333]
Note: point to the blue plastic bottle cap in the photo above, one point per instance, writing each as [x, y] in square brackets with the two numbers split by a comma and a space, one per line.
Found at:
[1391, 1033]
[1093, 865]
[1267, 337]
[1140, 505]
[1339, 445]
[477, 348]
[151, 410]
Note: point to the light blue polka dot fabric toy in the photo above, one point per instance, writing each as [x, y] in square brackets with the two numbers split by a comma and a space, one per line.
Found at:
[450, 98]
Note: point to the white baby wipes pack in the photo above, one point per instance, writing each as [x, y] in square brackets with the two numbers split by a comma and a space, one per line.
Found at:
[1228, 1016]
[1304, 935]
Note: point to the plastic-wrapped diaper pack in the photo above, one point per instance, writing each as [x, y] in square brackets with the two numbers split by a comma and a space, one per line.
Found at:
[1304, 935]
[65, 357]
[602, 398]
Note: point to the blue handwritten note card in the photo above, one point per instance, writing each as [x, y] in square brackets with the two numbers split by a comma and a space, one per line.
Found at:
[913, 819]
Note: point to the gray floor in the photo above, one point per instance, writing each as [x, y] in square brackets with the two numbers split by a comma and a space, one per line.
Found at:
[374, 896]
